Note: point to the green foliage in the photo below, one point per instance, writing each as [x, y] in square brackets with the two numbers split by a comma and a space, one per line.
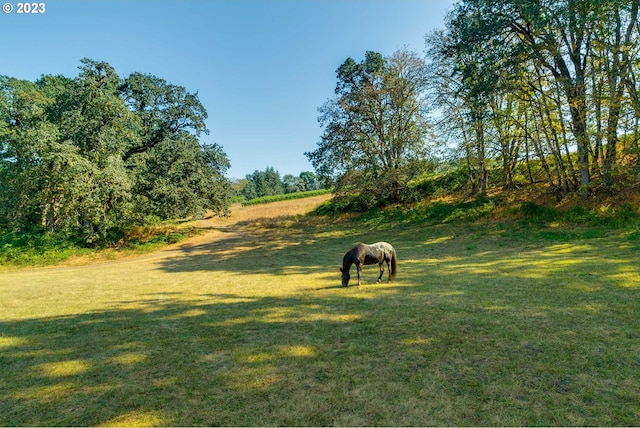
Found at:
[621, 216]
[268, 183]
[93, 155]
[535, 212]
[438, 212]
[263, 183]
[49, 248]
[443, 183]
[180, 178]
[375, 129]
[529, 81]
[156, 241]
[483, 208]
[166, 111]
[526, 92]
[310, 181]
[38, 249]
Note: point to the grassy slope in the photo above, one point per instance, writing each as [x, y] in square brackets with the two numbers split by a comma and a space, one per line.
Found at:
[488, 324]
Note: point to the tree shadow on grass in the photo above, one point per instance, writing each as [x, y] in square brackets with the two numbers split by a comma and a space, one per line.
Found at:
[301, 249]
[473, 333]
[304, 248]
[218, 360]
[292, 245]
[438, 354]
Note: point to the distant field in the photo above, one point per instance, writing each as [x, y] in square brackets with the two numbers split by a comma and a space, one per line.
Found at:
[501, 323]
[286, 197]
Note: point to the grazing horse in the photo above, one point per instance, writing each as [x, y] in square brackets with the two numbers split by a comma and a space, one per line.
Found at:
[363, 254]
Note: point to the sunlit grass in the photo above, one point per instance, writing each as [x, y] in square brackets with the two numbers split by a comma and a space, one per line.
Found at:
[487, 324]
[137, 418]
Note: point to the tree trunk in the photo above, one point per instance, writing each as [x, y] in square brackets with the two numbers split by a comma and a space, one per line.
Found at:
[481, 186]
[576, 99]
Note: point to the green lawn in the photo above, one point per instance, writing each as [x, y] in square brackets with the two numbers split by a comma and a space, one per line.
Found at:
[487, 324]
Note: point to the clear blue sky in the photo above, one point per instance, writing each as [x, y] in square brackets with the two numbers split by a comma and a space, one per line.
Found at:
[261, 68]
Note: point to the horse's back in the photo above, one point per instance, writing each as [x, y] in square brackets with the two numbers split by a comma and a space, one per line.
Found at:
[385, 246]
[369, 254]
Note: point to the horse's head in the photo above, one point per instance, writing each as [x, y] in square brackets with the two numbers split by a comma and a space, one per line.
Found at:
[345, 277]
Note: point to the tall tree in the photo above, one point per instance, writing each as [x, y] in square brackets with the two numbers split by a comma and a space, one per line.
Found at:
[176, 175]
[614, 49]
[375, 127]
[292, 183]
[99, 124]
[182, 178]
[310, 180]
[464, 85]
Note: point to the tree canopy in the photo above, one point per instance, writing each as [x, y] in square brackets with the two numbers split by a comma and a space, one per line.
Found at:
[92, 154]
[374, 128]
[541, 79]
[509, 93]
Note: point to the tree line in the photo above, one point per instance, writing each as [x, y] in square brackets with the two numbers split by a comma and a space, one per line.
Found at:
[269, 183]
[92, 155]
[509, 92]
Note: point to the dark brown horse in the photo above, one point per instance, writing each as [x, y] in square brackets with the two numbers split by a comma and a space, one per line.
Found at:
[363, 254]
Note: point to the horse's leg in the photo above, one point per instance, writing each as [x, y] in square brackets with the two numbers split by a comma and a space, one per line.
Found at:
[381, 270]
[359, 269]
[389, 268]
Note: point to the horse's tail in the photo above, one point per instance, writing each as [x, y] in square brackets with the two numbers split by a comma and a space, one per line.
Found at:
[394, 263]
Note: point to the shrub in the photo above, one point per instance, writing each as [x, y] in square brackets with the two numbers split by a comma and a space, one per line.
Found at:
[535, 212]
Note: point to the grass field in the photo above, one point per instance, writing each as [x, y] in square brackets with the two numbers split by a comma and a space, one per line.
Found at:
[488, 324]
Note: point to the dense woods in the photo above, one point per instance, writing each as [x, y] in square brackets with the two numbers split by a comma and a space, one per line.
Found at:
[91, 155]
[518, 92]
